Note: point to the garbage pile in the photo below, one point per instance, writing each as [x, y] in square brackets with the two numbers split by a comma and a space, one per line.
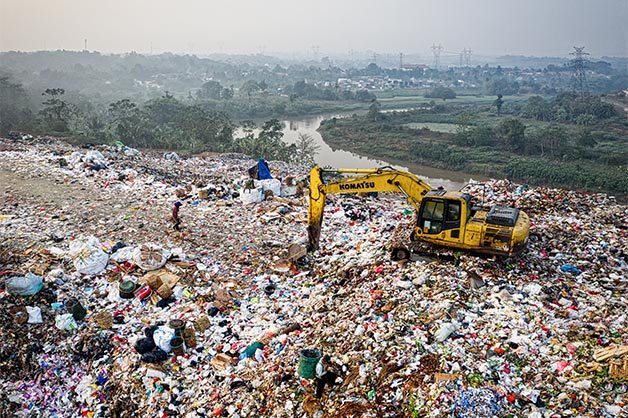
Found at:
[108, 311]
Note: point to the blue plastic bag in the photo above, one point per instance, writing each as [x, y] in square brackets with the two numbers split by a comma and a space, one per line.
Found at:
[26, 285]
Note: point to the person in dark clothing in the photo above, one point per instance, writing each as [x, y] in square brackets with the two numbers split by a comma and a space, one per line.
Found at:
[324, 376]
[176, 220]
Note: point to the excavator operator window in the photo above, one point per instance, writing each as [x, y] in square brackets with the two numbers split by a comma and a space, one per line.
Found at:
[453, 211]
[432, 216]
[452, 221]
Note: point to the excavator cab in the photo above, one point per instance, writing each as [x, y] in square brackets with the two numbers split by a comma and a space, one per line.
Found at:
[442, 215]
[439, 214]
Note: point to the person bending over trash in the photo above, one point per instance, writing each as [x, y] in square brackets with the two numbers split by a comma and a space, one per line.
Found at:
[324, 376]
[175, 219]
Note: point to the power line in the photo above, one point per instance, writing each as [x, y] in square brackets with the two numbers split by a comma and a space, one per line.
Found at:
[467, 56]
[436, 50]
[578, 66]
[315, 50]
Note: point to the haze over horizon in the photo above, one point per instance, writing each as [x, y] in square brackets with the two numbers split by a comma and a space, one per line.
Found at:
[488, 27]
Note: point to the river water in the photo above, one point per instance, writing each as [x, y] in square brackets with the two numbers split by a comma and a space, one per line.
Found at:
[327, 156]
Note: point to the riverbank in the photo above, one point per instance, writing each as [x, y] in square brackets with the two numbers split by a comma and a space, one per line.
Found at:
[391, 141]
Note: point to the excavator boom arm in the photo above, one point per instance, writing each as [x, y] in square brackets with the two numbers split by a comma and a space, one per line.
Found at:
[368, 180]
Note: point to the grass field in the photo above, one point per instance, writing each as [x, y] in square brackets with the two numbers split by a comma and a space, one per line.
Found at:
[437, 127]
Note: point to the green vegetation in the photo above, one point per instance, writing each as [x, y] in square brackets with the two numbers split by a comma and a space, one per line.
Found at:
[487, 120]
[538, 140]
[436, 127]
[163, 123]
[441, 92]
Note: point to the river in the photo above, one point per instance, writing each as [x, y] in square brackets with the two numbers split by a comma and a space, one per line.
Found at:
[327, 156]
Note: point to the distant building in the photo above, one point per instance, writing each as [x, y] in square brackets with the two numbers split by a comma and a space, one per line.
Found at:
[410, 67]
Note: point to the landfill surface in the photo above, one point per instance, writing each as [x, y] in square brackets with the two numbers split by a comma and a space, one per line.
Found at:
[543, 334]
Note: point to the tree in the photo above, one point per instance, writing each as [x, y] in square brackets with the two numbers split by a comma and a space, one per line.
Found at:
[553, 139]
[248, 128]
[372, 69]
[512, 133]
[226, 93]
[537, 108]
[584, 139]
[268, 144]
[14, 107]
[306, 149]
[463, 125]
[441, 92]
[374, 114]
[561, 115]
[585, 119]
[497, 86]
[129, 123]
[602, 110]
[210, 90]
[482, 135]
[272, 130]
[498, 103]
[249, 87]
[56, 111]
[364, 96]
[96, 128]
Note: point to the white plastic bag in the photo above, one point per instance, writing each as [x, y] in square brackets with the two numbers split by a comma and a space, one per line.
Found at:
[123, 254]
[273, 185]
[162, 337]
[445, 331]
[150, 257]
[88, 257]
[248, 196]
[287, 191]
[34, 315]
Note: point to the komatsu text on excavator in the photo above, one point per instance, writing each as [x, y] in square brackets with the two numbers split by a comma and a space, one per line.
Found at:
[444, 218]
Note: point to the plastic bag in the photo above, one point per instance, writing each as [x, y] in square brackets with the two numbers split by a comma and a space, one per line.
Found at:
[123, 254]
[162, 337]
[150, 256]
[248, 196]
[273, 185]
[570, 268]
[288, 191]
[65, 322]
[26, 285]
[34, 315]
[445, 331]
[88, 257]
[172, 156]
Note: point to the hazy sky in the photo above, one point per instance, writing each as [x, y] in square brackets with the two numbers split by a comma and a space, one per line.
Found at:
[488, 27]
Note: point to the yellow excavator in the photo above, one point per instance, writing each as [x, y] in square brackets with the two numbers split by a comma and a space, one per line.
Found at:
[444, 218]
